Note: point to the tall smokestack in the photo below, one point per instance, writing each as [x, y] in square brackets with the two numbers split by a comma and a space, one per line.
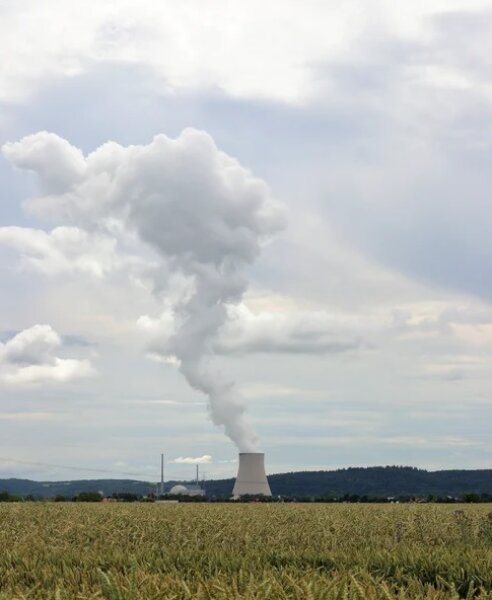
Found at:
[162, 474]
[251, 477]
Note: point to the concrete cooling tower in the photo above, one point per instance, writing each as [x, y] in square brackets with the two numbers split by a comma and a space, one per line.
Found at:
[251, 477]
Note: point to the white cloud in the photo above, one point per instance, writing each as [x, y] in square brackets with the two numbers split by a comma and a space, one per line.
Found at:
[30, 357]
[260, 51]
[61, 370]
[265, 50]
[262, 390]
[292, 331]
[31, 416]
[190, 460]
[296, 332]
[32, 346]
[59, 164]
[186, 182]
[62, 250]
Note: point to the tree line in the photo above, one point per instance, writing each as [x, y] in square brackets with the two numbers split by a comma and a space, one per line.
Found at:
[470, 497]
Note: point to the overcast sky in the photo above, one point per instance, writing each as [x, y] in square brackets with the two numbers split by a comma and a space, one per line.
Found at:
[320, 171]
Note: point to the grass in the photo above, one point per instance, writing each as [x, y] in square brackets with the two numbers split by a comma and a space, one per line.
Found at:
[253, 551]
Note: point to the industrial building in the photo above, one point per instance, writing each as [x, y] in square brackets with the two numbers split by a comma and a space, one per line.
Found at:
[186, 490]
[251, 477]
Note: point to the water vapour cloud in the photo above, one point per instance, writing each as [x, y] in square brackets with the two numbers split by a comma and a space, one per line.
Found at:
[202, 213]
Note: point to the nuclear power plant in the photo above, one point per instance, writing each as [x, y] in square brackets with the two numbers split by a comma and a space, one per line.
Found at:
[251, 477]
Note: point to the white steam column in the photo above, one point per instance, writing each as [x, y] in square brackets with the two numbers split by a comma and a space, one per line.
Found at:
[251, 477]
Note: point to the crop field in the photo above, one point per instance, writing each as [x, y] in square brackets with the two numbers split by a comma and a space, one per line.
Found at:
[254, 551]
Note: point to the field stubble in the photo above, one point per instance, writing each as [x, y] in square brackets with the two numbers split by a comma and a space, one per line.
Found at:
[253, 551]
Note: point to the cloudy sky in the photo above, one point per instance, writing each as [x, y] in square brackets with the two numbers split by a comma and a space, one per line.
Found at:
[291, 196]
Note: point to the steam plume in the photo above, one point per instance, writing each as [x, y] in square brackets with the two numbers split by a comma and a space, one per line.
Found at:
[204, 215]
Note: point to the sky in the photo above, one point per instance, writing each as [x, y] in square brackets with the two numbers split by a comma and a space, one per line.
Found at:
[260, 225]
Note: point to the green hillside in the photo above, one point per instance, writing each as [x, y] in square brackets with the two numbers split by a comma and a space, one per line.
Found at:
[374, 482]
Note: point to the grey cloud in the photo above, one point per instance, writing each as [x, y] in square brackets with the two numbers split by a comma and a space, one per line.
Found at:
[408, 209]
[271, 332]
[6, 335]
[295, 332]
[463, 38]
[407, 181]
[58, 163]
[30, 357]
[442, 372]
[297, 344]
[442, 320]
[463, 22]
[68, 340]
[77, 340]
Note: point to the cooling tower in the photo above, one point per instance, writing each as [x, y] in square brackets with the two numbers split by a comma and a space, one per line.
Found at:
[251, 476]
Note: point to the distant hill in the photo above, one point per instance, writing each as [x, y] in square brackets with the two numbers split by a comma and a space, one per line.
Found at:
[374, 482]
[50, 489]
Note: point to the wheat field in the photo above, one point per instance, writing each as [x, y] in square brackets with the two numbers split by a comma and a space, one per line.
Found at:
[255, 551]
